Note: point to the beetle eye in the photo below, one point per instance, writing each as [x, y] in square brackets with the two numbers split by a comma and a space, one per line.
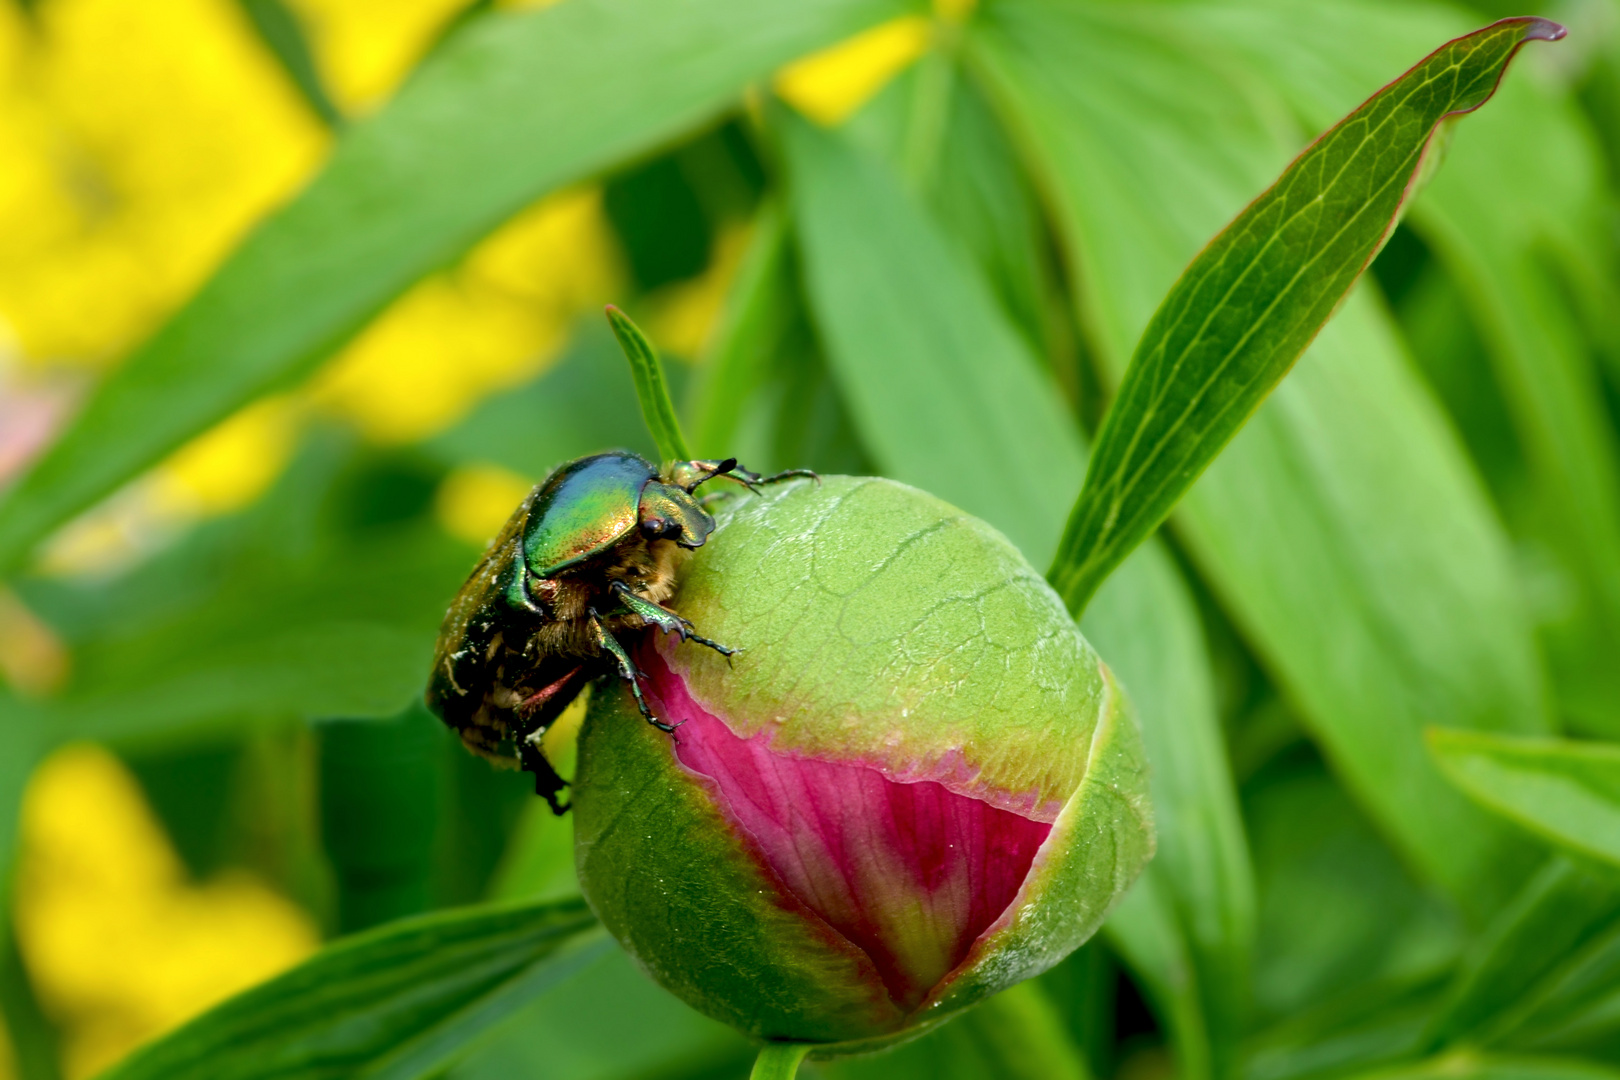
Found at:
[653, 528]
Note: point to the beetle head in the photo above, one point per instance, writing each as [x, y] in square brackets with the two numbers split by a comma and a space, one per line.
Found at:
[668, 512]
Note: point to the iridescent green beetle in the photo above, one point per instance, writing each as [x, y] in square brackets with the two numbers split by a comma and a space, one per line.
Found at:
[589, 554]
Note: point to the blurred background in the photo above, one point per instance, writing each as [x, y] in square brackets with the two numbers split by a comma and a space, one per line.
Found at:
[1423, 529]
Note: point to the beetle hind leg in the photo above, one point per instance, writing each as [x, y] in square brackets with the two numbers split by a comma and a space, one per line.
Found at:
[534, 715]
[548, 783]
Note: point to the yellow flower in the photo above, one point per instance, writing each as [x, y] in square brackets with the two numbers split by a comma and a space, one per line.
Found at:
[141, 141]
[474, 501]
[364, 48]
[122, 947]
[493, 321]
[830, 85]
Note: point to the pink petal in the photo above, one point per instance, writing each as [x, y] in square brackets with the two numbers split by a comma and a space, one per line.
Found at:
[911, 873]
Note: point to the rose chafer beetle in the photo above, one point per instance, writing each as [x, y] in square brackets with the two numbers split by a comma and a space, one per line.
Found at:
[590, 554]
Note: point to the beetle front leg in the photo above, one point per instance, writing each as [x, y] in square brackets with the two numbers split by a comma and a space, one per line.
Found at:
[665, 619]
[627, 671]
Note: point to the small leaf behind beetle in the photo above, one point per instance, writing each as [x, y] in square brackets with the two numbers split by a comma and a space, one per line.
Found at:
[656, 408]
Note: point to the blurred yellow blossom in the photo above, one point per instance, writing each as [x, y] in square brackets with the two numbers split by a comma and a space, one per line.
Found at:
[232, 465]
[121, 945]
[141, 141]
[474, 501]
[490, 323]
[830, 85]
[364, 48]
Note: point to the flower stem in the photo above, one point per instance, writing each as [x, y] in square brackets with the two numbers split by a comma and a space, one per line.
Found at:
[648, 371]
[779, 1061]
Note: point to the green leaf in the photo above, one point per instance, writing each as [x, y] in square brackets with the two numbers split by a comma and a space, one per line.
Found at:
[1514, 219]
[511, 107]
[1567, 792]
[396, 1003]
[1340, 915]
[1473, 1066]
[1576, 1007]
[1253, 299]
[1342, 530]
[1144, 930]
[607, 1022]
[1557, 911]
[756, 321]
[943, 389]
[648, 372]
[1144, 623]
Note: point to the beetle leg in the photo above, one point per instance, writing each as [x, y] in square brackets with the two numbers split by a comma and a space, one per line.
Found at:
[665, 619]
[547, 783]
[627, 671]
[790, 474]
[753, 481]
[535, 714]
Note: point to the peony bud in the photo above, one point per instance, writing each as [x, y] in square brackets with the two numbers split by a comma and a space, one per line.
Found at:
[915, 784]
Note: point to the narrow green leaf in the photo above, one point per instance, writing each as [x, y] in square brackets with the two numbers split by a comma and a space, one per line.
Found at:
[1145, 624]
[1251, 302]
[513, 106]
[1567, 792]
[944, 390]
[1558, 910]
[1377, 1026]
[752, 330]
[609, 1021]
[1514, 218]
[779, 1061]
[648, 372]
[396, 1003]
[1575, 1008]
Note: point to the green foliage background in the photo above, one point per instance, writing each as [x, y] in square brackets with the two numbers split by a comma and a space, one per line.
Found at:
[1363, 647]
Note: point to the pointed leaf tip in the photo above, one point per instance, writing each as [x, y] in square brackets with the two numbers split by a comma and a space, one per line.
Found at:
[648, 372]
[1544, 30]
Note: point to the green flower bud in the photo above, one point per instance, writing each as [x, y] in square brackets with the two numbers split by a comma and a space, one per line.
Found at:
[914, 785]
